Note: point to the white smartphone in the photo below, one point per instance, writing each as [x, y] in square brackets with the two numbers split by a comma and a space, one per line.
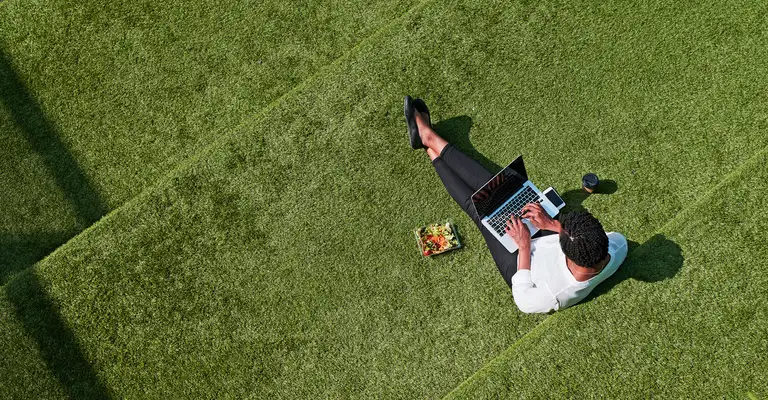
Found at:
[554, 197]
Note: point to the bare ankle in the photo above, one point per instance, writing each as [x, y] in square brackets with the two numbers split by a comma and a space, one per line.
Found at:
[425, 137]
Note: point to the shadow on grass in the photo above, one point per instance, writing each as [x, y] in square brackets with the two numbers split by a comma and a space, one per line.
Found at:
[456, 131]
[20, 251]
[57, 343]
[655, 260]
[38, 313]
[575, 198]
[44, 139]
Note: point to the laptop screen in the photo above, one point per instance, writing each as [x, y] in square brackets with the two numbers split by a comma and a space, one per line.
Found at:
[498, 190]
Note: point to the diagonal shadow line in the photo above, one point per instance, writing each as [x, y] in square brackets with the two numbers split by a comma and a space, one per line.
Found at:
[19, 251]
[45, 140]
[32, 304]
[56, 341]
[69, 176]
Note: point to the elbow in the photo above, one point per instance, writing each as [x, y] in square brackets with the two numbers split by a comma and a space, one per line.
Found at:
[525, 307]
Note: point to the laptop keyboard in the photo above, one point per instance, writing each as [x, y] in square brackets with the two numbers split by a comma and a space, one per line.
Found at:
[498, 221]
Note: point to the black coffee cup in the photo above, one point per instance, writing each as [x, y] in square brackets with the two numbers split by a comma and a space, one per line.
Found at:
[589, 182]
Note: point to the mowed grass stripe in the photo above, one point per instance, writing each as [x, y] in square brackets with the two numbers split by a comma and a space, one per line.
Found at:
[99, 102]
[699, 334]
[27, 360]
[148, 83]
[263, 262]
[39, 216]
[26, 255]
[205, 150]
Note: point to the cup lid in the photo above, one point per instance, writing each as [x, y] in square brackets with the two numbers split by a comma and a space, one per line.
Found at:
[590, 180]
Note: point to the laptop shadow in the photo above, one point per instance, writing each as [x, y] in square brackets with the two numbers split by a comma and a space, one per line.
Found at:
[456, 131]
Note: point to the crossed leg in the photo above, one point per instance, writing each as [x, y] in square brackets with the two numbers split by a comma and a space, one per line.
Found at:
[462, 177]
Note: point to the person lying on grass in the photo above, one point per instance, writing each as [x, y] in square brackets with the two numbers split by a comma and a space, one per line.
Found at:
[556, 269]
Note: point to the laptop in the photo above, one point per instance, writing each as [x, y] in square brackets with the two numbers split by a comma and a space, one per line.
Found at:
[505, 194]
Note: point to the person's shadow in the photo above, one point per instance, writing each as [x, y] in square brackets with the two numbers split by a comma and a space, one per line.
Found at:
[655, 260]
[658, 259]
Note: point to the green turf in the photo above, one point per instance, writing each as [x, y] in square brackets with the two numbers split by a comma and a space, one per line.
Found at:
[41, 355]
[98, 101]
[252, 270]
[701, 334]
[25, 372]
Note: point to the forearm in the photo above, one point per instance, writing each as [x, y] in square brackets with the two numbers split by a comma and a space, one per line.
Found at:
[524, 258]
[556, 227]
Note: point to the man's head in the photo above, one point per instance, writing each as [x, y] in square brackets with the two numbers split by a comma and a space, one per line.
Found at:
[583, 239]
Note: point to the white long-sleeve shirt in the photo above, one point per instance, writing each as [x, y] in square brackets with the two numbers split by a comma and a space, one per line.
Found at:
[549, 284]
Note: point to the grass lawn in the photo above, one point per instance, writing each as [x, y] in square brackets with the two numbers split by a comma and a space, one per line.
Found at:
[279, 262]
[98, 102]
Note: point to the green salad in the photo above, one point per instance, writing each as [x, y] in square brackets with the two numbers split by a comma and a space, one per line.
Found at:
[437, 238]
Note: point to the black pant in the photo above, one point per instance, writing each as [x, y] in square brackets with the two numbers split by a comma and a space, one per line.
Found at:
[462, 177]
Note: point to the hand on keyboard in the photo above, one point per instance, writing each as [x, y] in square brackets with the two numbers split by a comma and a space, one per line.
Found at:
[512, 208]
[519, 232]
[538, 216]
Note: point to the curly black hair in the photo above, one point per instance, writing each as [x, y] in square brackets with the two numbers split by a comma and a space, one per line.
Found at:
[583, 239]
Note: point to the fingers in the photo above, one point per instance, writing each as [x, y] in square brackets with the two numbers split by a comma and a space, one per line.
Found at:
[510, 224]
[517, 230]
[535, 212]
[527, 210]
[513, 225]
[532, 208]
[531, 214]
